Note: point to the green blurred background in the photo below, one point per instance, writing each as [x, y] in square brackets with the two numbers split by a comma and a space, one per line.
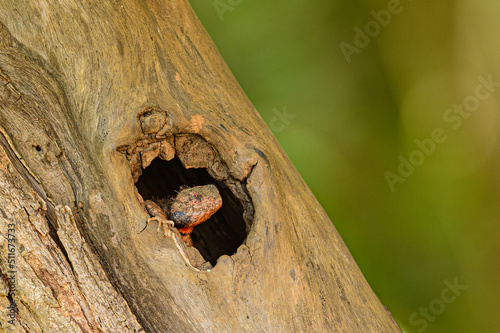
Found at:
[355, 115]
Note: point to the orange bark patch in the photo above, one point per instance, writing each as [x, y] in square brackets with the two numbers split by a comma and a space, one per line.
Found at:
[196, 122]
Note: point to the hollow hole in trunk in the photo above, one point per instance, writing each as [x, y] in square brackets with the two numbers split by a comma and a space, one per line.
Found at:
[222, 233]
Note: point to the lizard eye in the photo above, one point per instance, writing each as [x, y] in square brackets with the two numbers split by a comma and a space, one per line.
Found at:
[197, 196]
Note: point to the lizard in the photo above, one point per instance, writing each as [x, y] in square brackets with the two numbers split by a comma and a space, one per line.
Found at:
[190, 207]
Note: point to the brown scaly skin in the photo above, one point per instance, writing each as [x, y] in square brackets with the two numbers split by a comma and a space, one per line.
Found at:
[190, 207]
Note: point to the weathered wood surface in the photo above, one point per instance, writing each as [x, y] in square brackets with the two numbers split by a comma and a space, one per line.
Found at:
[90, 94]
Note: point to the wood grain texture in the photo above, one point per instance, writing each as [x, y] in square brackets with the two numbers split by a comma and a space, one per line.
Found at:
[74, 76]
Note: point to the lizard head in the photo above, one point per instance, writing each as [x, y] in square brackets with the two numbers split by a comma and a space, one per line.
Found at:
[194, 205]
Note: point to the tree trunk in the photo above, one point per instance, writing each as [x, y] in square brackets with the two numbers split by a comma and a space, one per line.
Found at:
[102, 101]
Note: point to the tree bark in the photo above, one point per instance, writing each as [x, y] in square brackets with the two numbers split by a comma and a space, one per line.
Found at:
[101, 101]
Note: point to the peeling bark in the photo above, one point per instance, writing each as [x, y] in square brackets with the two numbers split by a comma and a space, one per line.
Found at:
[104, 103]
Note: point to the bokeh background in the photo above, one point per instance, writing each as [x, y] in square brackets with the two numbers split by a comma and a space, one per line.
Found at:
[352, 115]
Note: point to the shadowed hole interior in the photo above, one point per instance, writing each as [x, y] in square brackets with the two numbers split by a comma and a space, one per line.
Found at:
[224, 232]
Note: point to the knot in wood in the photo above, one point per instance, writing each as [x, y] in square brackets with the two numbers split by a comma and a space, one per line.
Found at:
[154, 120]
